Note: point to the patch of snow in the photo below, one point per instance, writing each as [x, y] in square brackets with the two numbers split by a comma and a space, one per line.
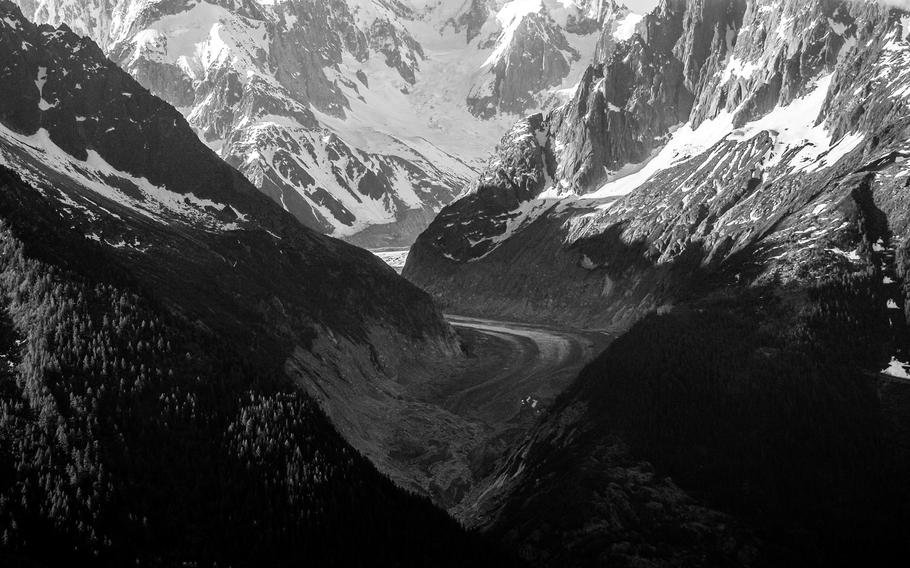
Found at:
[683, 145]
[897, 369]
[625, 28]
[428, 123]
[852, 256]
[40, 82]
[740, 69]
[204, 39]
[520, 218]
[795, 126]
[847, 144]
[791, 126]
[510, 16]
[96, 174]
[838, 27]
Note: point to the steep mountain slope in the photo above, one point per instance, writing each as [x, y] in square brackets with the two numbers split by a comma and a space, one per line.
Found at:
[759, 404]
[535, 45]
[735, 175]
[161, 320]
[354, 115]
[734, 108]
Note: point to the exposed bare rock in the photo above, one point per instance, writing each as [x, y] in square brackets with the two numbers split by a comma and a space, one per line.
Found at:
[645, 162]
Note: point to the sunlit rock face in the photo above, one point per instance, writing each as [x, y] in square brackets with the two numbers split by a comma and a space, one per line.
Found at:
[722, 130]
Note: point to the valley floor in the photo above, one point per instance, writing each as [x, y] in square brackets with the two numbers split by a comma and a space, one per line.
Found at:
[449, 433]
[517, 358]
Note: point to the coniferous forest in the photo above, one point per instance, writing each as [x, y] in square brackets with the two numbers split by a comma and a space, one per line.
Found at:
[131, 437]
[763, 405]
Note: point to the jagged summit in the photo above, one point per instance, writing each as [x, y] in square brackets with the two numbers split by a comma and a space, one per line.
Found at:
[361, 118]
[537, 45]
[711, 104]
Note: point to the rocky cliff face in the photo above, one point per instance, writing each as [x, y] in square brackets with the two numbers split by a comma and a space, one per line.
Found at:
[703, 134]
[537, 46]
[355, 115]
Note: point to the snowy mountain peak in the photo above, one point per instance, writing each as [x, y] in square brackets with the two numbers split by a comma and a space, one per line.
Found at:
[538, 48]
[703, 132]
[361, 117]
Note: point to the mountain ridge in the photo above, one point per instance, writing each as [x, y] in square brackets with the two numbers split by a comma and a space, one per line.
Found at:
[537, 163]
[316, 104]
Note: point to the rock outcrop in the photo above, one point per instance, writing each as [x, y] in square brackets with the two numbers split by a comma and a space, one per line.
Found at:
[533, 52]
